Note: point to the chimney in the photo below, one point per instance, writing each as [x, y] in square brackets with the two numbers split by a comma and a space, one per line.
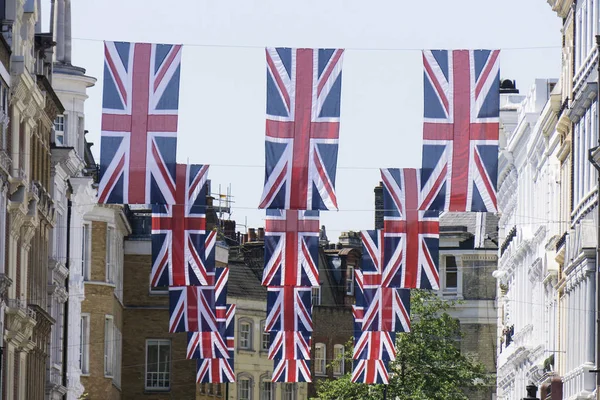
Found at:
[379, 206]
[251, 235]
[229, 229]
[261, 234]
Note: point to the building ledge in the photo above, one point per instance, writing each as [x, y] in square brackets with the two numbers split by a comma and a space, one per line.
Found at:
[20, 321]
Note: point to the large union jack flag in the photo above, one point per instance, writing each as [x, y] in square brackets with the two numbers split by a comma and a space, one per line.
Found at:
[303, 116]
[197, 308]
[215, 370]
[411, 236]
[289, 308]
[289, 345]
[214, 344]
[370, 371]
[179, 244]
[291, 248]
[139, 123]
[291, 371]
[460, 129]
[374, 345]
[380, 308]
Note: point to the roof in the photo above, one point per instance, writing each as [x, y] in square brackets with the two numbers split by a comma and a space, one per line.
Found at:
[243, 282]
[469, 220]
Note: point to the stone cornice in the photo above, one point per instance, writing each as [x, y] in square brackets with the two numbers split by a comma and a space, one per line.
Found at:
[67, 159]
[561, 7]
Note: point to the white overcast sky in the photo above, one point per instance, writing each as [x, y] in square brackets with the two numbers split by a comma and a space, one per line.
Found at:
[222, 96]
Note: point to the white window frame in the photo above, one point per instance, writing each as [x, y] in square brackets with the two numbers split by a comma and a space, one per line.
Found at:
[262, 394]
[109, 346]
[60, 122]
[244, 377]
[117, 357]
[86, 251]
[316, 295]
[110, 254]
[338, 366]
[349, 286]
[160, 343]
[84, 344]
[288, 391]
[248, 345]
[264, 337]
[320, 359]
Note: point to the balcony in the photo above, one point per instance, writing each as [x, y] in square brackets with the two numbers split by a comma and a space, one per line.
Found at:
[20, 321]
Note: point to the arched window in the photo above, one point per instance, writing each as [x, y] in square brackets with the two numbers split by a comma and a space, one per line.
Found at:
[267, 388]
[245, 327]
[320, 356]
[244, 386]
[264, 337]
[338, 359]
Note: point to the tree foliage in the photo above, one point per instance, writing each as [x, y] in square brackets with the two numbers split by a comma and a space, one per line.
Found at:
[429, 364]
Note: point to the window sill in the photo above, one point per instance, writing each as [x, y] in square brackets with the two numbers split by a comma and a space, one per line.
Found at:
[85, 374]
[246, 351]
[156, 390]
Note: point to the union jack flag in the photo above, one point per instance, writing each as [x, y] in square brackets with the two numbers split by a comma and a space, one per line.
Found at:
[178, 233]
[375, 345]
[375, 267]
[411, 236]
[139, 123]
[460, 129]
[291, 371]
[215, 370]
[291, 248]
[382, 309]
[303, 117]
[213, 344]
[370, 371]
[196, 308]
[289, 308]
[289, 345]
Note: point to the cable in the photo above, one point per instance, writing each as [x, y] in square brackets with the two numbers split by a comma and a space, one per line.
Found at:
[405, 49]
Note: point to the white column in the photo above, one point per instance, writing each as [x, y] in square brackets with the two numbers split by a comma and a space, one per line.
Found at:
[591, 320]
[60, 30]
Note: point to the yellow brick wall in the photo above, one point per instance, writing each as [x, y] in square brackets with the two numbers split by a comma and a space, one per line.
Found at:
[98, 272]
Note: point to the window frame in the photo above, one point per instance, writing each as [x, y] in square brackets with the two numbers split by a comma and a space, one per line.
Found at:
[244, 376]
[160, 343]
[60, 132]
[349, 280]
[244, 321]
[84, 344]
[261, 394]
[284, 391]
[320, 363]
[446, 272]
[316, 290]
[338, 366]
[109, 346]
[265, 337]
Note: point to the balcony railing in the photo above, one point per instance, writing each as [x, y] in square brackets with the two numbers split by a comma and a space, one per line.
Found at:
[5, 161]
[21, 305]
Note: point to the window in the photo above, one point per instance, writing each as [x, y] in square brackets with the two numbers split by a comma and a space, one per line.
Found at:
[245, 337]
[350, 280]
[267, 390]
[265, 341]
[2, 229]
[338, 357]
[84, 344]
[451, 274]
[59, 130]
[117, 357]
[86, 244]
[316, 295]
[109, 345]
[320, 359]
[288, 391]
[158, 364]
[244, 388]
[110, 254]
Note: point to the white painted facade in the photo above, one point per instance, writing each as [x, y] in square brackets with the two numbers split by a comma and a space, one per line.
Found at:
[529, 196]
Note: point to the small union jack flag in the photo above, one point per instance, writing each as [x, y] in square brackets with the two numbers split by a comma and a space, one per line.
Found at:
[139, 123]
[411, 236]
[291, 248]
[303, 118]
[215, 370]
[196, 308]
[291, 371]
[375, 267]
[289, 308]
[289, 345]
[370, 371]
[213, 344]
[382, 309]
[374, 345]
[460, 129]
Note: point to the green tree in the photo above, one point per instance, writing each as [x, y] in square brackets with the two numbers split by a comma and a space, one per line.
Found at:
[429, 364]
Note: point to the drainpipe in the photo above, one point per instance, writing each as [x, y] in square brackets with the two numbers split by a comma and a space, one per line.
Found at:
[66, 306]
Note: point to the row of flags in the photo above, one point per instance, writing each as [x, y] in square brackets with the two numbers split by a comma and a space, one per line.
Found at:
[138, 166]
